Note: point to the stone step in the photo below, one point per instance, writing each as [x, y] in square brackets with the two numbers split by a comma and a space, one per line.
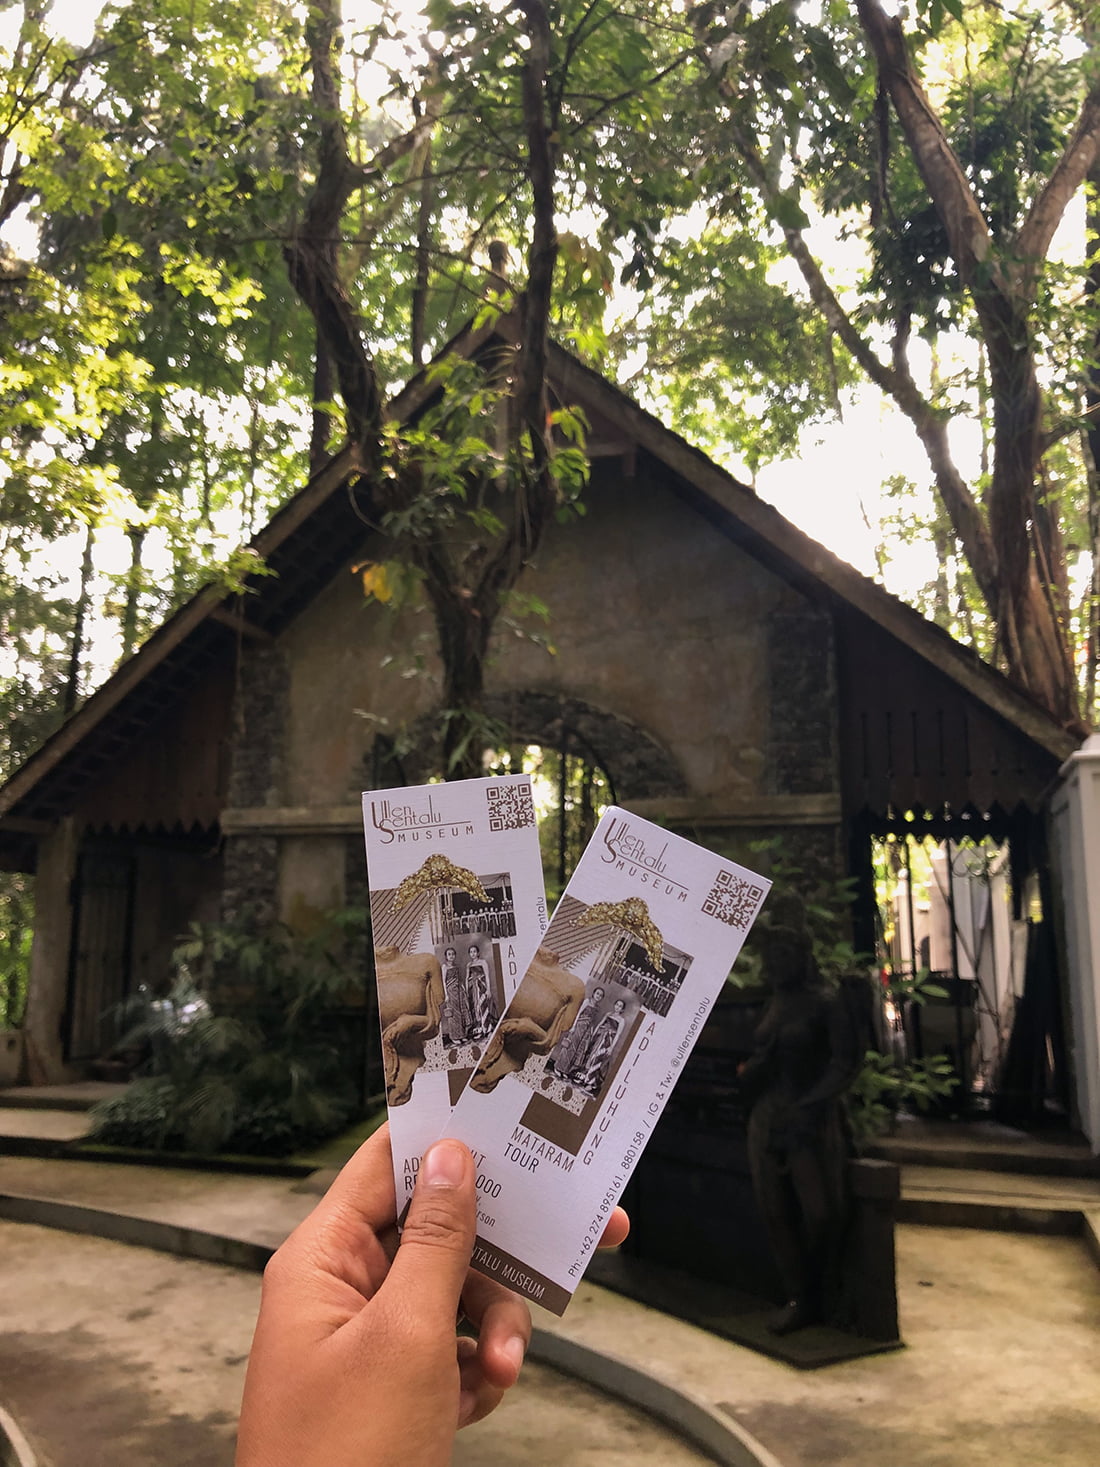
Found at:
[61, 1126]
[1002, 1202]
[986, 1146]
[79, 1096]
[1052, 1161]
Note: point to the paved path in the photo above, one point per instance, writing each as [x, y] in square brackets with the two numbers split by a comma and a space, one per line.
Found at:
[113, 1356]
[258, 1209]
[1002, 1364]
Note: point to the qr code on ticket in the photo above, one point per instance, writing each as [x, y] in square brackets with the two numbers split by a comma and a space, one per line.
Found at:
[733, 900]
[510, 806]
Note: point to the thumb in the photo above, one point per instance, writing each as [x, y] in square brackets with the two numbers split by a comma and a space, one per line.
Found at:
[438, 1237]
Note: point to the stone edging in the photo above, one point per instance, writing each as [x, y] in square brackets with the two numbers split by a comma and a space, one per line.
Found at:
[15, 1449]
[722, 1438]
[1072, 1221]
[1092, 1234]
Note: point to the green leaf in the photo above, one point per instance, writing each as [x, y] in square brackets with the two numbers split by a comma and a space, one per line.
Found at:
[788, 212]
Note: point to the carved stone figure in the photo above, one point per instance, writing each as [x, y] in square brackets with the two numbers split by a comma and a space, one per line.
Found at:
[410, 1004]
[545, 1005]
[806, 1056]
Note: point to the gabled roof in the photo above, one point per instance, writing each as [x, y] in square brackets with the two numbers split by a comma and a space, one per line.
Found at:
[309, 540]
[739, 511]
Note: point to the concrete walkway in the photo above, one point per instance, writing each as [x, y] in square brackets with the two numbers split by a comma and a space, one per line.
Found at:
[1002, 1330]
[114, 1356]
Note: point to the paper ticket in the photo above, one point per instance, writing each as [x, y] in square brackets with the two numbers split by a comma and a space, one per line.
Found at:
[569, 1088]
[457, 908]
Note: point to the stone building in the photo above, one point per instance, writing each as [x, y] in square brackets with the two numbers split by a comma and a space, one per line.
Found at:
[730, 676]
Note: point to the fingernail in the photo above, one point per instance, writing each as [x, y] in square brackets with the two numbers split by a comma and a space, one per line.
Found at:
[514, 1350]
[467, 1405]
[444, 1164]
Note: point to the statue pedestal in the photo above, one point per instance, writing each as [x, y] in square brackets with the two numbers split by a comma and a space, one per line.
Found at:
[869, 1256]
[699, 1249]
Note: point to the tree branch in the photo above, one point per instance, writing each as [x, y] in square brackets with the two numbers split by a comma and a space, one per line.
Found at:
[895, 381]
[312, 253]
[1070, 172]
[967, 232]
[543, 252]
[536, 492]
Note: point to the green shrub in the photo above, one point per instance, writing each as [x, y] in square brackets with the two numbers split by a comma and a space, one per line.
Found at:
[886, 1085]
[260, 1077]
[16, 936]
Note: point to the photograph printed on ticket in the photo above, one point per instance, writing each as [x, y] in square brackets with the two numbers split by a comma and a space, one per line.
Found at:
[457, 908]
[570, 1086]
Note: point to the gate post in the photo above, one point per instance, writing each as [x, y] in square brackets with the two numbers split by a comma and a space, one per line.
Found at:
[48, 985]
[1075, 847]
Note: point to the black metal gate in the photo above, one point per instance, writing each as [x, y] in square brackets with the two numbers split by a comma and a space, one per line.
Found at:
[99, 961]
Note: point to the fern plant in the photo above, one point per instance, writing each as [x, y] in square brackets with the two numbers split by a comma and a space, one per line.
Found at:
[240, 1056]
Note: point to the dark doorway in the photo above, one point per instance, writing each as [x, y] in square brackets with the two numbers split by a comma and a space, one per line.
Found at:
[100, 961]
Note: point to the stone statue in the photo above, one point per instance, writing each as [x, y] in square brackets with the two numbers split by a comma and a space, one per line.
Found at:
[806, 1056]
[410, 1006]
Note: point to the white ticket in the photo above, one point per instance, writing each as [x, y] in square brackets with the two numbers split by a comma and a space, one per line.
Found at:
[457, 908]
[572, 1082]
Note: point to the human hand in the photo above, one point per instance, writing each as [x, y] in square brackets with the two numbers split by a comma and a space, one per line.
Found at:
[355, 1358]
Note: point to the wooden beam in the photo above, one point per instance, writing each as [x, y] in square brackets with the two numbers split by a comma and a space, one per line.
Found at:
[17, 825]
[293, 820]
[242, 627]
[753, 810]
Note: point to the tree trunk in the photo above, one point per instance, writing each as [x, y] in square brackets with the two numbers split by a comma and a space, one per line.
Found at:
[1033, 635]
[463, 644]
[1033, 638]
[424, 217]
[321, 426]
[312, 254]
[131, 605]
[71, 694]
[465, 595]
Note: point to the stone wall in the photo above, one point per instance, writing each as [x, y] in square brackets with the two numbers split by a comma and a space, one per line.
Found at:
[259, 727]
[698, 678]
[250, 888]
[816, 851]
[251, 862]
[659, 624]
[802, 754]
